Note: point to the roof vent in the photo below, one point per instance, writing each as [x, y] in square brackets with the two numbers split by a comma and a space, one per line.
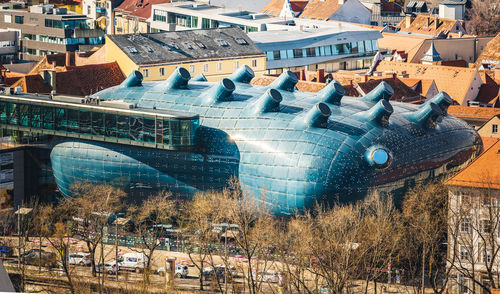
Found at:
[199, 78]
[286, 82]
[244, 74]
[332, 93]
[427, 116]
[269, 101]
[178, 79]
[382, 91]
[318, 115]
[378, 113]
[134, 79]
[442, 100]
[221, 91]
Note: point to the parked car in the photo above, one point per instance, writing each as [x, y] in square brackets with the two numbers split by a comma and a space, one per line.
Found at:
[218, 271]
[181, 271]
[108, 267]
[80, 258]
[36, 257]
[268, 276]
[6, 251]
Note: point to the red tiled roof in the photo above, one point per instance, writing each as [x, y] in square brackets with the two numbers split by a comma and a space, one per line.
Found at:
[320, 9]
[390, 6]
[482, 172]
[139, 8]
[464, 112]
[88, 79]
[426, 24]
[274, 7]
[402, 92]
[488, 142]
[459, 63]
[489, 91]
[76, 81]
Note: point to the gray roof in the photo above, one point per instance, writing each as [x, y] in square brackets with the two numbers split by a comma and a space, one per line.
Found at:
[173, 47]
[431, 55]
[252, 5]
[453, 2]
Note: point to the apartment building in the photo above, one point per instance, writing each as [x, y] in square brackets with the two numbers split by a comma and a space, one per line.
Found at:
[215, 53]
[44, 29]
[474, 225]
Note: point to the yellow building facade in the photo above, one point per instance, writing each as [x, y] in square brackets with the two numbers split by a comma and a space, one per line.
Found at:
[213, 68]
[490, 128]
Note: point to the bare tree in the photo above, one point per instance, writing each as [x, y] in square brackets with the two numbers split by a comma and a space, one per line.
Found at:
[95, 204]
[201, 213]
[423, 251]
[484, 17]
[152, 217]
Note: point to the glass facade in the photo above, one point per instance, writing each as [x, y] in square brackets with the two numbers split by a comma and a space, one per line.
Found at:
[96, 122]
[361, 47]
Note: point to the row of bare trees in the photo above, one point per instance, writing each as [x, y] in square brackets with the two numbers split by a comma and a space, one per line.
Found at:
[344, 248]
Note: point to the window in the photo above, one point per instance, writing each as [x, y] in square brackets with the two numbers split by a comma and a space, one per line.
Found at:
[191, 68]
[148, 48]
[276, 55]
[310, 52]
[188, 45]
[270, 55]
[222, 42]
[19, 19]
[254, 62]
[485, 226]
[160, 15]
[494, 129]
[205, 67]
[162, 71]
[219, 66]
[297, 53]
[463, 284]
[465, 225]
[201, 45]
[465, 252]
[487, 255]
[53, 23]
[145, 72]
[465, 199]
[488, 201]
[241, 41]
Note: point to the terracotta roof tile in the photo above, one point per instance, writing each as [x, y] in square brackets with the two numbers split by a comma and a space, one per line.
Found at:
[456, 81]
[489, 91]
[421, 86]
[139, 8]
[491, 52]
[301, 85]
[488, 142]
[401, 42]
[482, 172]
[77, 81]
[419, 25]
[274, 7]
[320, 9]
[402, 92]
[465, 112]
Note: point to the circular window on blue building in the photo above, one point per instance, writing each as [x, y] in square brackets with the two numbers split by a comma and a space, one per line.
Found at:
[378, 157]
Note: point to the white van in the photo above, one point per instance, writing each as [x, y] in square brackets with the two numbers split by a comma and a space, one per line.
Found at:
[133, 262]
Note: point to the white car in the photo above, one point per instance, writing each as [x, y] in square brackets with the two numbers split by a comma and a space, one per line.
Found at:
[269, 277]
[181, 271]
[80, 258]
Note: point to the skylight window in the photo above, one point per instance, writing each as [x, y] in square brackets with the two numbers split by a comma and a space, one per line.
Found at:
[188, 45]
[148, 48]
[132, 49]
[222, 42]
[201, 45]
[174, 46]
[241, 41]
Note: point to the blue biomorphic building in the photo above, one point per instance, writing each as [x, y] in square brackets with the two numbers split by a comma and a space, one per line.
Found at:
[287, 148]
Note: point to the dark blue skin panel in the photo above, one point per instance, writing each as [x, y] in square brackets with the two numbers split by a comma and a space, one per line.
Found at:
[275, 155]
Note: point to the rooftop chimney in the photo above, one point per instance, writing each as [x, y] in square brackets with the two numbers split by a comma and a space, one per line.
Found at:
[68, 59]
[49, 75]
[407, 21]
[436, 22]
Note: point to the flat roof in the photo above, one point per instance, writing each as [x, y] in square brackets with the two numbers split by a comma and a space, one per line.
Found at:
[287, 39]
[58, 102]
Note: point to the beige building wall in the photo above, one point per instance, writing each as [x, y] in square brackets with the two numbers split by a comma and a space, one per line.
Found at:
[490, 128]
